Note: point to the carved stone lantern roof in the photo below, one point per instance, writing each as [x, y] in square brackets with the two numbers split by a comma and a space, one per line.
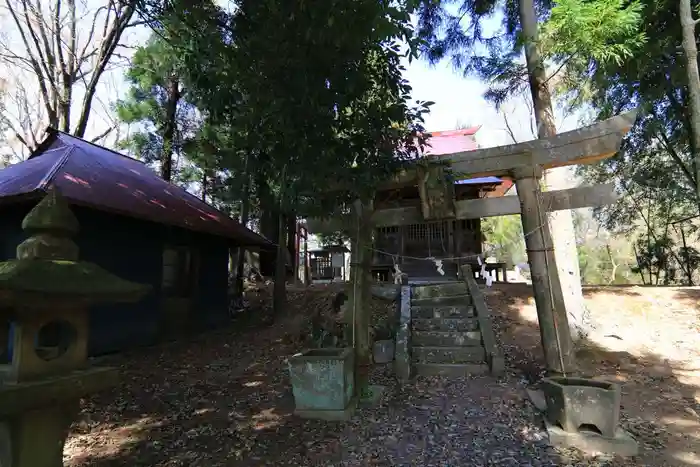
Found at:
[48, 268]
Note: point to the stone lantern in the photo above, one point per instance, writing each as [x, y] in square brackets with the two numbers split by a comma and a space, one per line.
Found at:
[46, 293]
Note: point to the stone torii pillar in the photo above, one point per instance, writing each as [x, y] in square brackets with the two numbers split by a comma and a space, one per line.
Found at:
[582, 146]
[46, 293]
[549, 298]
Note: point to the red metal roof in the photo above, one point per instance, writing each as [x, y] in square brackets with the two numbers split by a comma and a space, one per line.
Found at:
[440, 143]
[93, 176]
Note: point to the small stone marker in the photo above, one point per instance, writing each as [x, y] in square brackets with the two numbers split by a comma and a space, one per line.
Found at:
[45, 293]
[323, 383]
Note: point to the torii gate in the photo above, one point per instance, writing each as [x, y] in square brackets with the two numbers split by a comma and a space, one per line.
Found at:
[524, 162]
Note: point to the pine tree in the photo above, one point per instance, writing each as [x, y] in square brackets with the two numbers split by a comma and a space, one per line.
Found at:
[157, 103]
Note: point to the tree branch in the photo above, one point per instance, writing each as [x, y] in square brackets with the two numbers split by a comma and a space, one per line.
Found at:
[43, 89]
[107, 47]
[103, 134]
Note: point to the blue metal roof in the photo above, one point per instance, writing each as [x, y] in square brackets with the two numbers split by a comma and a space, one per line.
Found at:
[479, 181]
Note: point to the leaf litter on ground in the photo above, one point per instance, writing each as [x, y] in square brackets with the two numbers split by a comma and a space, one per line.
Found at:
[224, 399]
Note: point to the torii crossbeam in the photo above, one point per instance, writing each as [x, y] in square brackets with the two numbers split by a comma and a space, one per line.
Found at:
[525, 162]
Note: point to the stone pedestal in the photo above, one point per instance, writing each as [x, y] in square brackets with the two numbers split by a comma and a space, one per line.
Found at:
[585, 414]
[578, 403]
[46, 293]
[323, 383]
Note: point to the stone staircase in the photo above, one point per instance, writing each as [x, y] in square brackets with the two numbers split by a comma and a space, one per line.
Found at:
[450, 331]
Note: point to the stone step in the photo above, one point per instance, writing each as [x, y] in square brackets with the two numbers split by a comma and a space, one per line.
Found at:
[445, 324]
[454, 370]
[455, 311]
[446, 338]
[439, 290]
[452, 300]
[448, 354]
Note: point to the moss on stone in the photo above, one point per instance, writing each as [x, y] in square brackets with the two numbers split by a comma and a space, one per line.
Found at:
[52, 213]
[62, 278]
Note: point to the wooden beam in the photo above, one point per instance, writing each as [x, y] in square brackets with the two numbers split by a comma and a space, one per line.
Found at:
[582, 146]
[559, 200]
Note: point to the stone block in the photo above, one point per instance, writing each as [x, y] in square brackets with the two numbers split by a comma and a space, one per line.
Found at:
[447, 289]
[446, 339]
[472, 354]
[496, 363]
[592, 443]
[322, 379]
[451, 300]
[373, 396]
[455, 311]
[383, 351]
[578, 403]
[329, 415]
[451, 370]
[445, 324]
[386, 292]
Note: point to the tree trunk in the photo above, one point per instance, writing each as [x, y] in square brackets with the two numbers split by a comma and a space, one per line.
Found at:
[307, 273]
[166, 170]
[245, 217]
[359, 294]
[690, 49]
[688, 269]
[291, 226]
[279, 298]
[613, 273]
[240, 251]
[280, 290]
[268, 225]
[561, 222]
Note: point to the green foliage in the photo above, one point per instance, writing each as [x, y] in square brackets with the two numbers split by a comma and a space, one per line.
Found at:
[581, 33]
[504, 237]
[573, 34]
[341, 116]
[609, 263]
[660, 260]
[332, 239]
[293, 99]
[654, 169]
[156, 101]
[606, 31]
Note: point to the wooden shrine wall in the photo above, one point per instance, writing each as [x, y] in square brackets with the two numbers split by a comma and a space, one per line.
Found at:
[439, 239]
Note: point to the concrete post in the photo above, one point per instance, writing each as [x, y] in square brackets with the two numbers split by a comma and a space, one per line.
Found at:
[551, 312]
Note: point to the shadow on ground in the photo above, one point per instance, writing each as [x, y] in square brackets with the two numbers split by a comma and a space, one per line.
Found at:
[660, 399]
[222, 396]
[224, 399]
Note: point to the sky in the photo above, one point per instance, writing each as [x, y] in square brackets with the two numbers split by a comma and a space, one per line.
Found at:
[458, 99]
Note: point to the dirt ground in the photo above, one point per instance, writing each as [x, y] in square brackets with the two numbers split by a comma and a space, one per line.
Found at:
[223, 398]
[647, 339]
